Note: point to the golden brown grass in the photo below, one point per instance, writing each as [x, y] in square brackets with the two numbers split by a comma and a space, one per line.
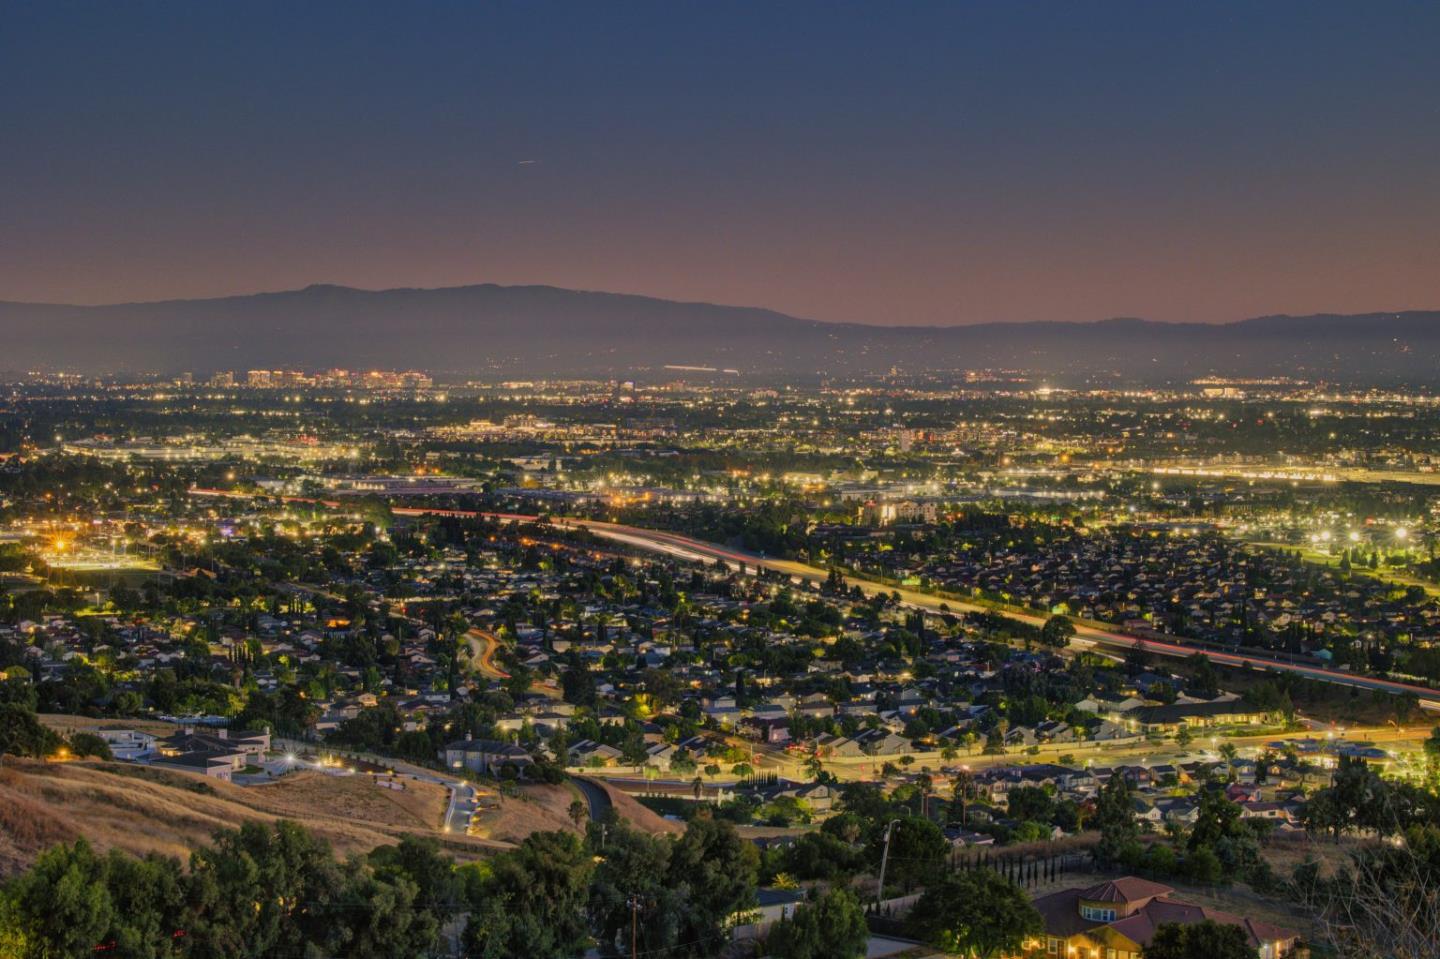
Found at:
[640, 816]
[537, 808]
[540, 808]
[65, 724]
[142, 810]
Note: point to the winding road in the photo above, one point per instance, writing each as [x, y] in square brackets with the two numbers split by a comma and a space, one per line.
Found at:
[483, 646]
[595, 797]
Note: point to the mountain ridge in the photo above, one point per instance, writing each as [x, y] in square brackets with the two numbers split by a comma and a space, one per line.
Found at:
[542, 329]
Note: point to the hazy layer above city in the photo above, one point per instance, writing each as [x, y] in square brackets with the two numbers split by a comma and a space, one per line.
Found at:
[540, 330]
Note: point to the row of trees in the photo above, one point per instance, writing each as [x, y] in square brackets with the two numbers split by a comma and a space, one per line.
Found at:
[258, 891]
[277, 890]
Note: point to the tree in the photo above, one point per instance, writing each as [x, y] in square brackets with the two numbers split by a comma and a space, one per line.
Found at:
[63, 903]
[1207, 939]
[1432, 757]
[1384, 903]
[1358, 798]
[632, 875]
[89, 744]
[381, 919]
[1204, 681]
[814, 766]
[1216, 818]
[821, 855]
[964, 791]
[831, 927]
[14, 940]
[1203, 867]
[976, 913]
[16, 688]
[533, 901]
[75, 902]
[716, 871]
[917, 850]
[247, 889]
[22, 734]
[1030, 802]
[420, 861]
[257, 892]
[1229, 753]
[1137, 658]
[1057, 632]
[1115, 818]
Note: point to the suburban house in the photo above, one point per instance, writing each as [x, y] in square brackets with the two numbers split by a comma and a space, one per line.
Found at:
[252, 745]
[127, 744]
[216, 765]
[768, 729]
[1169, 719]
[587, 752]
[489, 757]
[1117, 919]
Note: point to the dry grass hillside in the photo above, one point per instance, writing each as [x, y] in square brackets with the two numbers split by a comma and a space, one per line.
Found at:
[66, 724]
[638, 814]
[543, 808]
[537, 808]
[141, 810]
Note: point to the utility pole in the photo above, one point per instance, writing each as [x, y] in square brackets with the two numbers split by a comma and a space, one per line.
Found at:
[634, 926]
[884, 861]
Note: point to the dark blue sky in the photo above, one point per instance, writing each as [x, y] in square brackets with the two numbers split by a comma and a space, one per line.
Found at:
[886, 163]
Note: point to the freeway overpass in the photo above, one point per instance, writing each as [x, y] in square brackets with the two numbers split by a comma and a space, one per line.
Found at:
[687, 548]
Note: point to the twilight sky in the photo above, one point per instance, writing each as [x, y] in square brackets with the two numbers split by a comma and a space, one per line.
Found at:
[929, 162]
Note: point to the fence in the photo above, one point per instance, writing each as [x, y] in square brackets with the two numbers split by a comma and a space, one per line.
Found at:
[1026, 870]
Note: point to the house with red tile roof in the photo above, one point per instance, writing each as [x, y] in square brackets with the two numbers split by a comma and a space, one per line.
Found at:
[1117, 918]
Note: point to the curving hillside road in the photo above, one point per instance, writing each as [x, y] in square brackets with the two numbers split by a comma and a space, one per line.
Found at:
[595, 797]
[483, 646]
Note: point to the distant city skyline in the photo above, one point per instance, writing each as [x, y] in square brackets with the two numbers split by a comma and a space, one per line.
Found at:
[926, 165]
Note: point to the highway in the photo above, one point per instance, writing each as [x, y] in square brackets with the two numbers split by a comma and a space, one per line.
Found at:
[686, 548]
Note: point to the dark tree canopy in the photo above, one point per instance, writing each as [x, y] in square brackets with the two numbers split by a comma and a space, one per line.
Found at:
[1201, 940]
[977, 913]
[831, 927]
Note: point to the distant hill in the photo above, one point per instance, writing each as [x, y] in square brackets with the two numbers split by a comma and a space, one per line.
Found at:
[541, 330]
